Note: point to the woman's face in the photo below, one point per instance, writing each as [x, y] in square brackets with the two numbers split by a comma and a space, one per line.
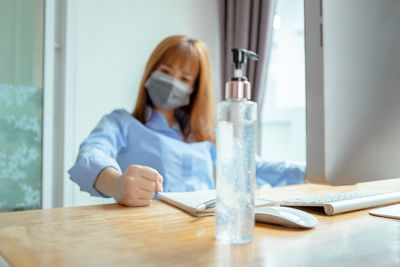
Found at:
[180, 70]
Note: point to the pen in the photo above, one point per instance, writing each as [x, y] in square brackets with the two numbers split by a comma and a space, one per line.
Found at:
[207, 205]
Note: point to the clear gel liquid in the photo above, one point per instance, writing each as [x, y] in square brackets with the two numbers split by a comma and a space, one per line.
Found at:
[235, 173]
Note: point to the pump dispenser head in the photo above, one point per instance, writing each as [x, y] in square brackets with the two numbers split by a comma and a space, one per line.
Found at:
[239, 57]
[238, 87]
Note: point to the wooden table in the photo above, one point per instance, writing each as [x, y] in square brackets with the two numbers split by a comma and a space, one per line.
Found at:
[161, 235]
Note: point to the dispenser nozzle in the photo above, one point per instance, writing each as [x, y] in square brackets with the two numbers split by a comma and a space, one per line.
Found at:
[239, 58]
[238, 87]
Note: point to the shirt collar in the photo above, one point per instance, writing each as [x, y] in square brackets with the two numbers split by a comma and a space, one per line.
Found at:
[156, 121]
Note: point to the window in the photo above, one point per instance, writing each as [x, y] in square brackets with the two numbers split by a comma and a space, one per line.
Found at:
[283, 132]
[21, 101]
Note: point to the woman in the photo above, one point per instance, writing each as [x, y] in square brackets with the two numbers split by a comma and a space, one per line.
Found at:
[168, 142]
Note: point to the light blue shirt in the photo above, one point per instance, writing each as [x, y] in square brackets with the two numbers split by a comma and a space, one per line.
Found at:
[120, 140]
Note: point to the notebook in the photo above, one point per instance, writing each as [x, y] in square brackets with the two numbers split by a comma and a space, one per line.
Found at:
[192, 201]
[389, 212]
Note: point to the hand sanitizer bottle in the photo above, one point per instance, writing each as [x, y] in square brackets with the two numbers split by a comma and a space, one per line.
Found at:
[236, 149]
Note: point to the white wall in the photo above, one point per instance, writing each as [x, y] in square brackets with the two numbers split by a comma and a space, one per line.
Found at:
[108, 44]
[362, 90]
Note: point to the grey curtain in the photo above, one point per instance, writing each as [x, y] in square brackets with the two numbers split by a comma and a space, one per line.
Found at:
[247, 24]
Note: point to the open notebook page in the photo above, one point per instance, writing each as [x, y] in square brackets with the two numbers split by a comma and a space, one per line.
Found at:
[188, 201]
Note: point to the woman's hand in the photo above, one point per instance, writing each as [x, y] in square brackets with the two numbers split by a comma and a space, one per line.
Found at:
[135, 187]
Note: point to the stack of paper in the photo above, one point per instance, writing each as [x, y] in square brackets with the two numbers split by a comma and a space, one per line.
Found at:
[192, 201]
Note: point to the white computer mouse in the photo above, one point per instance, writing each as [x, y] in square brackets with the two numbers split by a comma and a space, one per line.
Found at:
[285, 216]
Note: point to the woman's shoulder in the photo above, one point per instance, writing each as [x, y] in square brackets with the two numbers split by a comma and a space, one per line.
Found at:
[121, 112]
[119, 115]
[118, 118]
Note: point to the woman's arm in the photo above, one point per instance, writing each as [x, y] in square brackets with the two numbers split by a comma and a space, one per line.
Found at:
[273, 173]
[97, 172]
[279, 173]
[99, 150]
[107, 181]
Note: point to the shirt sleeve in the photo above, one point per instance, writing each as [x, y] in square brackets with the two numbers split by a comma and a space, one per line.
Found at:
[213, 154]
[279, 173]
[99, 150]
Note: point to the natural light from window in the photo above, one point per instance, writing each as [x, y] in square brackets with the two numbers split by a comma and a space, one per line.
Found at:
[283, 126]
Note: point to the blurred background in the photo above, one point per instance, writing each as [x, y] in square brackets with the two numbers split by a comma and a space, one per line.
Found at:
[64, 64]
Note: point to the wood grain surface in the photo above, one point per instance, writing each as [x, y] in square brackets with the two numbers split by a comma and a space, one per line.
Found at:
[161, 235]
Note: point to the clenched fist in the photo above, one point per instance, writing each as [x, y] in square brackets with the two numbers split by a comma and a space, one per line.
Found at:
[135, 187]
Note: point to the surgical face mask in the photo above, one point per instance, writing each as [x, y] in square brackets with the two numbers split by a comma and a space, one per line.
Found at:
[167, 92]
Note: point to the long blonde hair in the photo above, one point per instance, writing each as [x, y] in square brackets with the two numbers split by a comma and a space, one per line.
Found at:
[197, 118]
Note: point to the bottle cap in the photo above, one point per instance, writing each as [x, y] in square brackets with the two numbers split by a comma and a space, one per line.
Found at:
[238, 89]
